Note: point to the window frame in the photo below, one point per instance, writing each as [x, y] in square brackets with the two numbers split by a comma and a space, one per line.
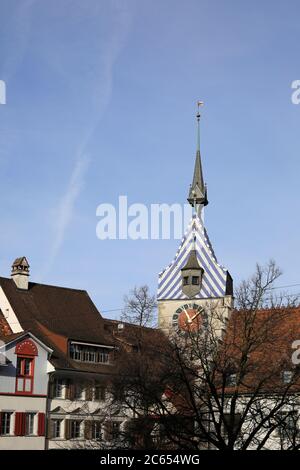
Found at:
[289, 426]
[97, 431]
[79, 392]
[55, 428]
[60, 387]
[99, 396]
[76, 422]
[231, 380]
[22, 375]
[286, 373]
[30, 417]
[89, 354]
[115, 430]
[4, 423]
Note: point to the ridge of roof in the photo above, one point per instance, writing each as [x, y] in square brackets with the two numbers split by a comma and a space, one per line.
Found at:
[32, 284]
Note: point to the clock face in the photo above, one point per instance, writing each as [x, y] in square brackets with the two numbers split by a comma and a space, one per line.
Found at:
[189, 317]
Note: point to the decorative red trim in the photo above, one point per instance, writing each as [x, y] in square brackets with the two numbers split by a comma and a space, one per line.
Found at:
[21, 394]
[26, 348]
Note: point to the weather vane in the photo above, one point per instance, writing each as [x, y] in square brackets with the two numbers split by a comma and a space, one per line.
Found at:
[199, 103]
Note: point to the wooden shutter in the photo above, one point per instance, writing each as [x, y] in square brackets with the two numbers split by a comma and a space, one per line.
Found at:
[52, 389]
[88, 429]
[103, 393]
[20, 424]
[17, 424]
[108, 426]
[67, 392]
[41, 424]
[100, 392]
[67, 429]
[89, 391]
[50, 426]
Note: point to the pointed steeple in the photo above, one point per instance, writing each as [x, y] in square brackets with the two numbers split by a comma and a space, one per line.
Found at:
[198, 191]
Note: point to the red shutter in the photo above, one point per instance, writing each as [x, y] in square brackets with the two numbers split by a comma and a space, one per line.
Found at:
[23, 425]
[41, 424]
[20, 422]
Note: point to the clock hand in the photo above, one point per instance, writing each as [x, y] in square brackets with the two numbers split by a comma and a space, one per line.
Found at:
[187, 316]
[193, 318]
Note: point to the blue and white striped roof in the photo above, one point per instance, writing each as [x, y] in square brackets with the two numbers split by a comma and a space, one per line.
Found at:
[214, 277]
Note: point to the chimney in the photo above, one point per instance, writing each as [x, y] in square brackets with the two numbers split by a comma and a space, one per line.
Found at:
[20, 273]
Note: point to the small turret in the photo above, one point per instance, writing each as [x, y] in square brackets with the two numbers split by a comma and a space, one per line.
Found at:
[20, 272]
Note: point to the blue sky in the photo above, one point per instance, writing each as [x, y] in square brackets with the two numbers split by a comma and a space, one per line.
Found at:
[101, 102]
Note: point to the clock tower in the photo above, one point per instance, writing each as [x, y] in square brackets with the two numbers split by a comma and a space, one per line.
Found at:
[194, 288]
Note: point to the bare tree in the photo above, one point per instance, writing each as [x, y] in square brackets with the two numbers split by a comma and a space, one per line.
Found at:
[139, 307]
[227, 384]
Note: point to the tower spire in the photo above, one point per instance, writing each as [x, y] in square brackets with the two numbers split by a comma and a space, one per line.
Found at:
[198, 191]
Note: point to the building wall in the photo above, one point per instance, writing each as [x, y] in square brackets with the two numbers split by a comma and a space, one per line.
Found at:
[34, 403]
[86, 410]
[22, 404]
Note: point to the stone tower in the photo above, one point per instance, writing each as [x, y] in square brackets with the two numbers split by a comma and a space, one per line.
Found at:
[194, 281]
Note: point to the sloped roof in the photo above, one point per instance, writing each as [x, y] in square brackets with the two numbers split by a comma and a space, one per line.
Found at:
[216, 279]
[21, 261]
[192, 262]
[55, 315]
[268, 335]
[9, 338]
[65, 311]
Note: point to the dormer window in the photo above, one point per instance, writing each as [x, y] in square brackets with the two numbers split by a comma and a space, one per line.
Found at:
[192, 274]
[90, 353]
[26, 352]
[231, 380]
[25, 374]
[287, 376]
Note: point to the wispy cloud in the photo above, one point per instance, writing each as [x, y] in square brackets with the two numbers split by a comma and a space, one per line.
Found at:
[95, 82]
[16, 29]
[65, 209]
